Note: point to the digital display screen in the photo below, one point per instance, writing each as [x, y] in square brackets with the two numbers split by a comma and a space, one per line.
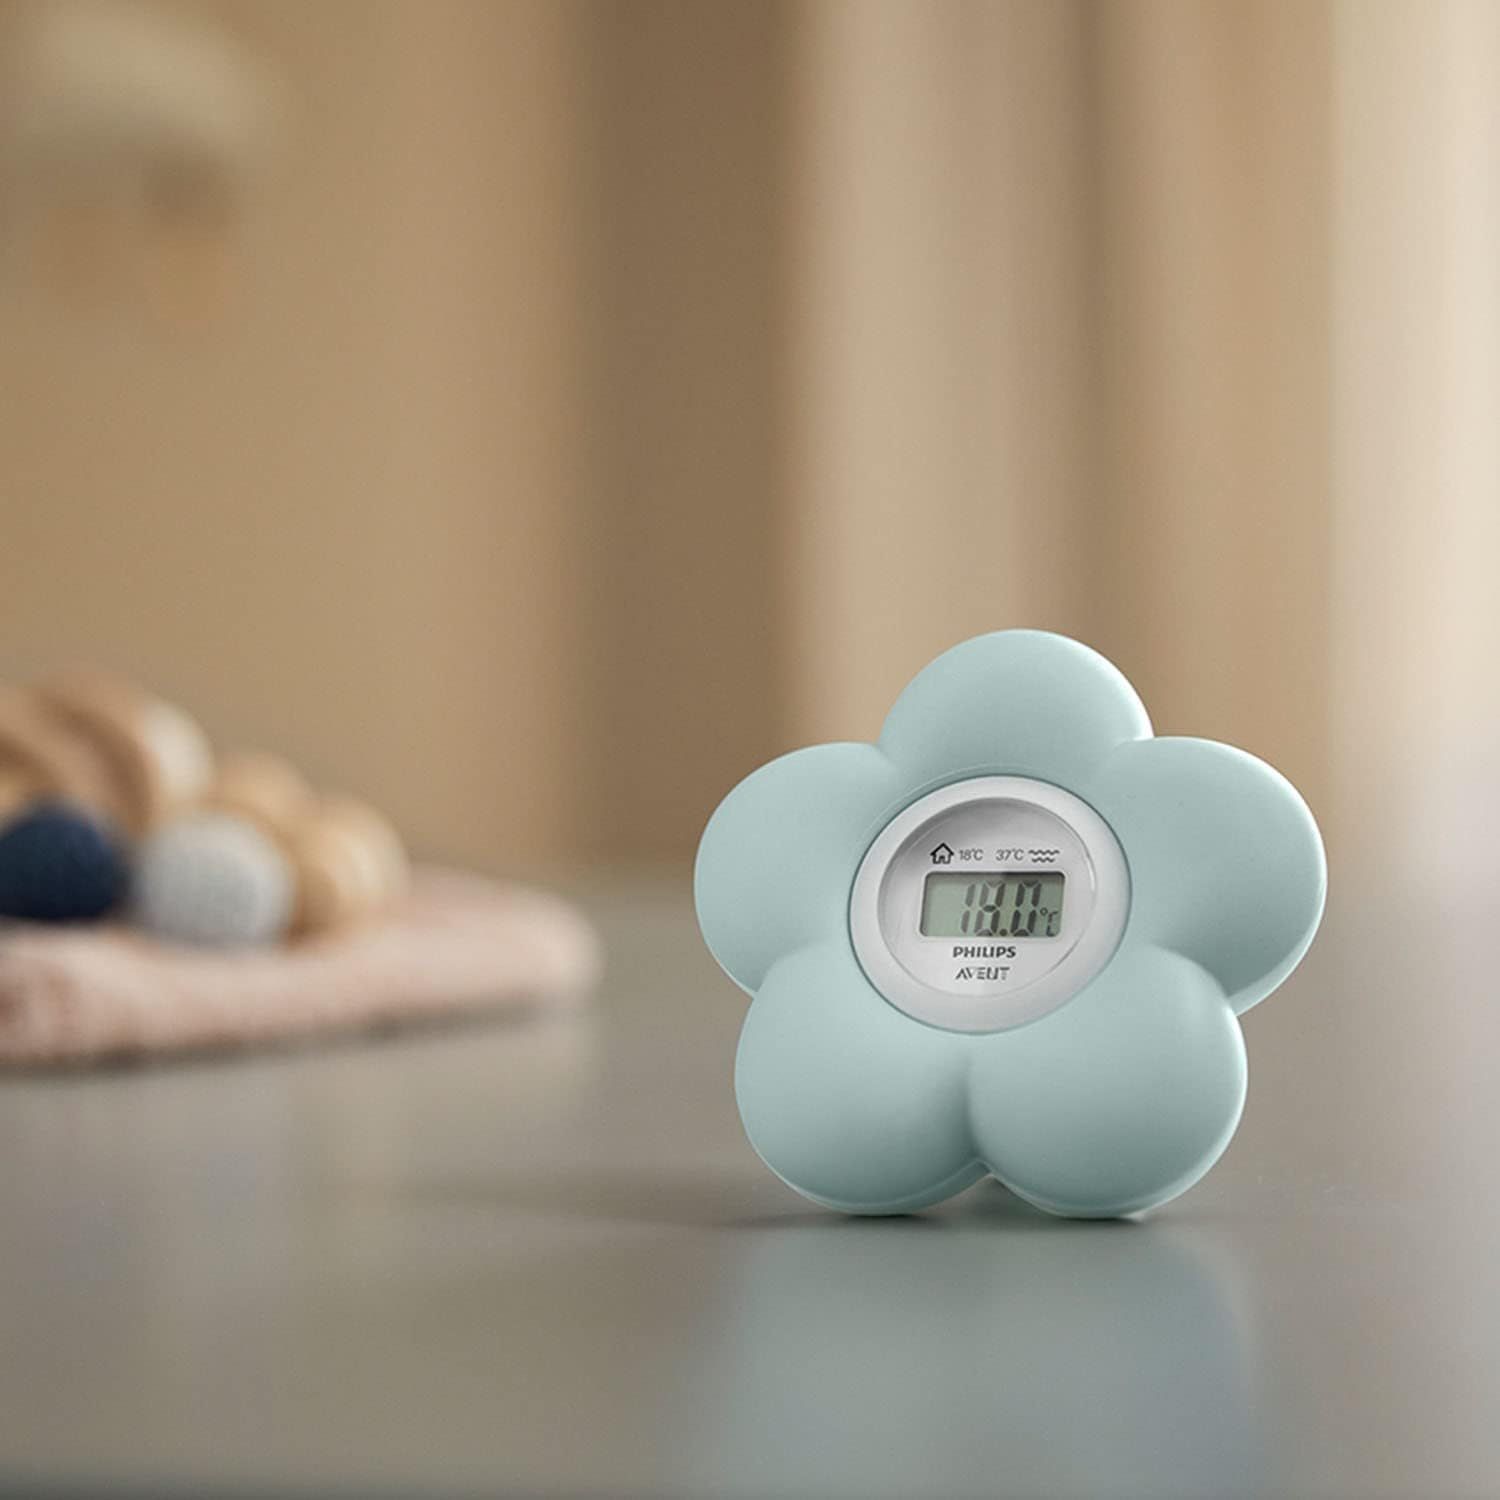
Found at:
[1007, 903]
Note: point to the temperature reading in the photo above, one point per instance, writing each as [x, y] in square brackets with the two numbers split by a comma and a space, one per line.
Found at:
[1009, 904]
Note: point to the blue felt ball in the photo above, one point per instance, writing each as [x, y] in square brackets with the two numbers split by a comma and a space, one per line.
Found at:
[59, 864]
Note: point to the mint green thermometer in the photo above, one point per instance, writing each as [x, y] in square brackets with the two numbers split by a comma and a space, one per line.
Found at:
[1012, 937]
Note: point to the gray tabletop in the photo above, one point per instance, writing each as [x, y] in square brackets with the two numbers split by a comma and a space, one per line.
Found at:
[525, 1259]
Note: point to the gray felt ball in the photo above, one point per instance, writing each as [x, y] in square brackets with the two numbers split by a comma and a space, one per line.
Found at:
[212, 879]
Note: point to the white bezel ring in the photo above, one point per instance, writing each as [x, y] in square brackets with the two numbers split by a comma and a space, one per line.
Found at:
[997, 824]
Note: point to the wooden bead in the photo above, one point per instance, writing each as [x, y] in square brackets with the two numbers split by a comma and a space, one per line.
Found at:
[349, 863]
[264, 788]
[18, 788]
[40, 755]
[158, 757]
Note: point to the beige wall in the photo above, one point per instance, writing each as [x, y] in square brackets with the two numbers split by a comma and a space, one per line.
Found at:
[609, 396]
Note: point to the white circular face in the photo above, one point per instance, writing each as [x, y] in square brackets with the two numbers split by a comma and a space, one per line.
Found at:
[988, 903]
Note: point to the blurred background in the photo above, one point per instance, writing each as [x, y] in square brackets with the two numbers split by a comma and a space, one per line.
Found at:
[535, 415]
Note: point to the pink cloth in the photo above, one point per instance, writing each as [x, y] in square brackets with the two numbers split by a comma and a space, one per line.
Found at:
[456, 943]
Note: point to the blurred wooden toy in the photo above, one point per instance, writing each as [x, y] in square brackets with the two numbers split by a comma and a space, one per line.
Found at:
[239, 854]
[59, 861]
[349, 862]
[260, 911]
[264, 858]
[346, 858]
[154, 757]
[85, 760]
[39, 757]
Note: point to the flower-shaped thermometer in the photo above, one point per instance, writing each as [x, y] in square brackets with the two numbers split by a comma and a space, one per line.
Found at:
[1011, 938]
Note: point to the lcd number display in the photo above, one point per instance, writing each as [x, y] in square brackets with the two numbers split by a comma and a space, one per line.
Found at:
[1011, 904]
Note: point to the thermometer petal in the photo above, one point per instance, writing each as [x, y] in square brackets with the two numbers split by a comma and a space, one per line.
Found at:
[844, 1098]
[778, 855]
[1119, 1101]
[1021, 702]
[1227, 865]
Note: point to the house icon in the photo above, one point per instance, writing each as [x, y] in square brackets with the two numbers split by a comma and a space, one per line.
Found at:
[942, 855]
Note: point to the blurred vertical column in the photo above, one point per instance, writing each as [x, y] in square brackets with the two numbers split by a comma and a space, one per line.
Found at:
[483, 645]
[1417, 439]
[1059, 352]
[1416, 629]
[489, 738]
[680, 590]
[1211, 515]
[938, 391]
